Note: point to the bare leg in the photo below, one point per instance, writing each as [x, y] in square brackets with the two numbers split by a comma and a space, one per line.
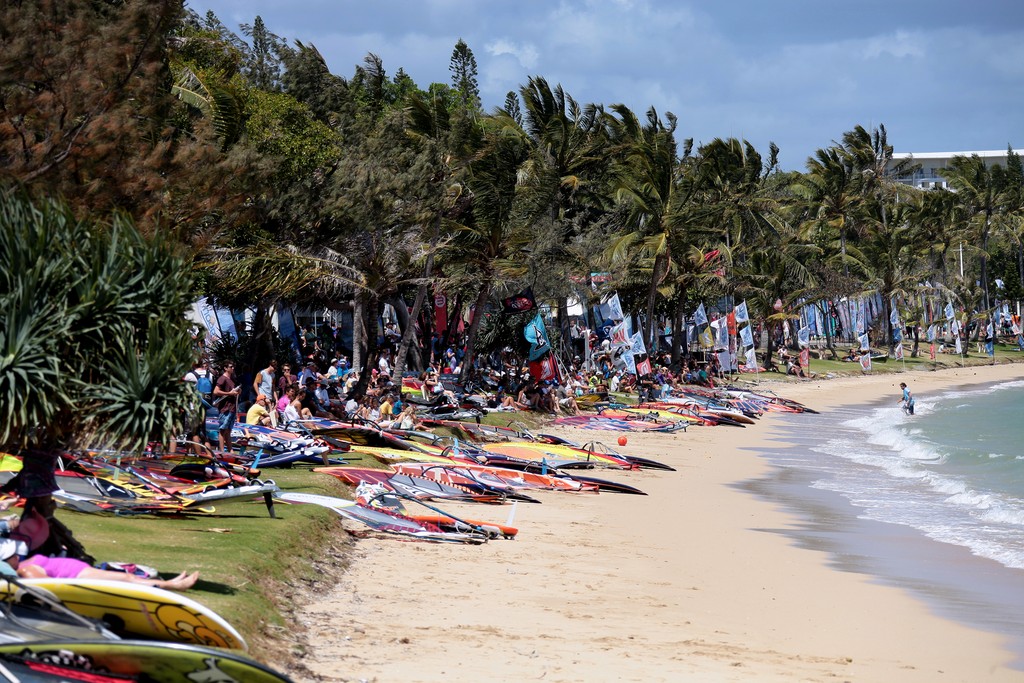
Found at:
[180, 582]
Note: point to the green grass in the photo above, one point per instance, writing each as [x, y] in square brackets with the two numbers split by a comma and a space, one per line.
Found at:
[253, 569]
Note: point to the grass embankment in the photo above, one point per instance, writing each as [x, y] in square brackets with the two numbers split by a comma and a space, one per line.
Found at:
[255, 571]
[823, 367]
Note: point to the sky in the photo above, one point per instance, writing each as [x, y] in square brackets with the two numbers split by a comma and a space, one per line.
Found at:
[940, 75]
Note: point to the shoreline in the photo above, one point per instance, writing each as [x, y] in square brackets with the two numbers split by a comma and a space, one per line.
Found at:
[682, 582]
[952, 581]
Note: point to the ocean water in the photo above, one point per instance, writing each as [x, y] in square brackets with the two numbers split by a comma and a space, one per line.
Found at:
[954, 470]
[933, 502]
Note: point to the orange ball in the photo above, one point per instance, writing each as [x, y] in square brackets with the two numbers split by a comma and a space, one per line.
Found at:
[622, 441]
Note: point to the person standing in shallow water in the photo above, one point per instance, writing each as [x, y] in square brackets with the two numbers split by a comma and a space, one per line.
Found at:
[907, 400]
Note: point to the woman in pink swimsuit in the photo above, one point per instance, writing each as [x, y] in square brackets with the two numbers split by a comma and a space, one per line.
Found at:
[41, 566]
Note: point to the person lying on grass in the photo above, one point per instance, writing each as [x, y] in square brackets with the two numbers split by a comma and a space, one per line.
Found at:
[41, 567]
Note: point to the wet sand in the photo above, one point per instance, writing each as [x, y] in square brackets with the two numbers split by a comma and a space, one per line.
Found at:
[692, 581]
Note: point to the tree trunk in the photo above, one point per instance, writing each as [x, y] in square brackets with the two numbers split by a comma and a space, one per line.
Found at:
[769, 360]
[454, 315]
[369, 304]
[829, 341]
[660, 264]
[474, 325]
[408, 332]
[358, 326]
[678, 328]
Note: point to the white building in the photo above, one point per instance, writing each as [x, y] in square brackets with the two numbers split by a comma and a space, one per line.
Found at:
[925, 167]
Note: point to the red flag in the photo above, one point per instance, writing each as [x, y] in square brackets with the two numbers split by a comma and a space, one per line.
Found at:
[544, 368]
[440, 312]
[643, 367]
[805, 358]
[731, 321]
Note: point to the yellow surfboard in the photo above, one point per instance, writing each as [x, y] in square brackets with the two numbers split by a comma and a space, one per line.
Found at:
[138, 611]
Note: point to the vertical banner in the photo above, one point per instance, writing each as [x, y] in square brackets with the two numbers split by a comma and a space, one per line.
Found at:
[226, 322]
[440, 313]
[865, 362]
[208, 314]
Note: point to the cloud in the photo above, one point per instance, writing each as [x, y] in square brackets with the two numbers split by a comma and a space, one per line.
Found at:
[526, 54]
[900, 44]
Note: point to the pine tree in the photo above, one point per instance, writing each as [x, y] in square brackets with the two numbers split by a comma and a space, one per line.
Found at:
[512, 107]
[463, 69]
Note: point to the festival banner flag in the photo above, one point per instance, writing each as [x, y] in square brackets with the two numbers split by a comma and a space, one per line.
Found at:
[706, 340]
[700, 317]
[643, 367]
[520, 303]
[730, 320]
[751, 358]
[959, 347]
[897, 334]
[803, 336]
[931, 332]
[865, 345]
[722, 340]
[805, 358]
[894, 317]
[954, 327]
[949, 311]
[440, 312]
[537, 335]
[545, 368]
[612, 308]
[619, 335]
[865, 362]
[746, 336]
[629, 362]
[899, 351]
[638, 346]
[741, 313]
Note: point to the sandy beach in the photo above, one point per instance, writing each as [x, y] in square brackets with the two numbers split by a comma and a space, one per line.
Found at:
[691, 582]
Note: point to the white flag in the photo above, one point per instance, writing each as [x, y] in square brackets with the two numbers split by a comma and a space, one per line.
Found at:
[954, 328]
[638, 344]
[723, 334]
[865, 362]
[751, 358]
[864, 345]
[741, 313]
[803, 336]
[949, 311]
[699, 316]
[899, 351]
[615, 307]
[931, 332]
[746, 336]
[959, 346]
[894, 317]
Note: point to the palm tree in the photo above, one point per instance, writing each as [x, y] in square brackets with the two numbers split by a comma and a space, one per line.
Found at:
[978, 188]
[646, 184]
[488, 241]
[91, 336]
[567, 163]
[831, 199]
